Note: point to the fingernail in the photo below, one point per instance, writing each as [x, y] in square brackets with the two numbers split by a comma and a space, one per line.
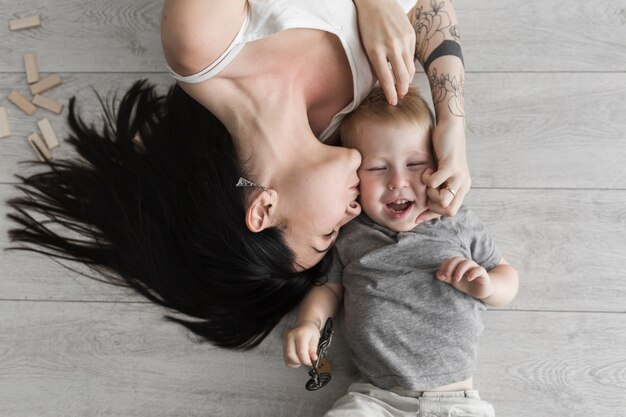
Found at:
[393, 101]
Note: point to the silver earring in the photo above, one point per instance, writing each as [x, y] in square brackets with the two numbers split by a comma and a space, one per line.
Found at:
[242, 183]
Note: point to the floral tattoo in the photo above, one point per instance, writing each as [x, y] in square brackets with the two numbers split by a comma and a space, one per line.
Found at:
[433, 26]
[448, 90]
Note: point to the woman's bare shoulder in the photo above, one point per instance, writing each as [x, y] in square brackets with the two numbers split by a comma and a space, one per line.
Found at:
[195, 32]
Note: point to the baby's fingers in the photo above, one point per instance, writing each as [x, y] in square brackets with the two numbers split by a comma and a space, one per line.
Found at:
[447, 268]
[306, 348]
[476, 273]
[300, 347]
[289, 354]
[461, 269]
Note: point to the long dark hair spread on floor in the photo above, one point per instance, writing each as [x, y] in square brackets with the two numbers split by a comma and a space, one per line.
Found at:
[163, 218]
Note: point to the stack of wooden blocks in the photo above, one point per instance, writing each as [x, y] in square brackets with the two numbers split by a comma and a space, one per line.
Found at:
[37, 87]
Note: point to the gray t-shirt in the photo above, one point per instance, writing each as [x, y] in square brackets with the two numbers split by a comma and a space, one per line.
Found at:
[404, 327]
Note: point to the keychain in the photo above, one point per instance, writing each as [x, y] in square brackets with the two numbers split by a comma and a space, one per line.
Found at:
[320, 373]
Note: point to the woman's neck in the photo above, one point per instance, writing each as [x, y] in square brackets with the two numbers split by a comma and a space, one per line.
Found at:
[280, 91]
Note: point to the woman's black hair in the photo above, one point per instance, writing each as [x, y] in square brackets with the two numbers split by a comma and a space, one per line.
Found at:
[163, 216]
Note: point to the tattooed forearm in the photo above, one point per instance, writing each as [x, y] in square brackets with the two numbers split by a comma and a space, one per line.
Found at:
[448, 92]
[433, 25]
[438, 49]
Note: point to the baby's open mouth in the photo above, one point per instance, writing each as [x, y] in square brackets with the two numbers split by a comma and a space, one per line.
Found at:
[399, 206]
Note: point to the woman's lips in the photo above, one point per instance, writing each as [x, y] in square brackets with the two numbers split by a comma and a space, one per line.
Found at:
[355, 188]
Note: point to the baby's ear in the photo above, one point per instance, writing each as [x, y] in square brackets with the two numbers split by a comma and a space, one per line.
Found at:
[261, 213]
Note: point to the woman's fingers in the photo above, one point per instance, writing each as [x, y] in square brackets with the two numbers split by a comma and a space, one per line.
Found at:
[385, 77]
[437, 178]
[445, 191]
[401, 73]
[394, 73]
[389, 41]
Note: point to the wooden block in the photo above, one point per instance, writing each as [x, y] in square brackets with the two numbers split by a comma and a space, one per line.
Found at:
[25, 23]
[32, 67]
[5, 127]
[46, 84]
[22, 102]
[40, 148]
[48, 134]
[48, 104]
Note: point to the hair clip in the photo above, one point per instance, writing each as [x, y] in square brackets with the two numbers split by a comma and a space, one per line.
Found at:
[242, 183]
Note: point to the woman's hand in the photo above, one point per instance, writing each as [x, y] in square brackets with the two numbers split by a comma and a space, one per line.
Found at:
[300, 344]
[449, 184]
[389, 41]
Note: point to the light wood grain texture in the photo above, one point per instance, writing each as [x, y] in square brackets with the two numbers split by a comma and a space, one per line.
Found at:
[45, 84]
[39, 147]
[21, 102]
[497, 35]
[31, 65]
[25, 23]
[16, 149]
[568, 246]
[543, 36]
[545, 105]
[48, 133]
[86, 36]
[5, 126]
[123, 359]
[48, 104]
[553, 364]
[517, 135]
[545, 130]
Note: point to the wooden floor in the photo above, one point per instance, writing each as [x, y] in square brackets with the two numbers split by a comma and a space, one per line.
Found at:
[546, 89]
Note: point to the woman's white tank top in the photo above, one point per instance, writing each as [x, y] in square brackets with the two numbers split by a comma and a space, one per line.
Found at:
[267, 17]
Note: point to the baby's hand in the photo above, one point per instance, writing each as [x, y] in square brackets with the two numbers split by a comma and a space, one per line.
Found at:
[466, 276]
[300, 344]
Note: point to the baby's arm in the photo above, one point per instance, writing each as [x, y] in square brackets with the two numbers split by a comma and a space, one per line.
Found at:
[300, 342]
[496, 287]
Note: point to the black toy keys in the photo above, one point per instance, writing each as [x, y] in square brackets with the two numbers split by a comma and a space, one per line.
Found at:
[320, 373]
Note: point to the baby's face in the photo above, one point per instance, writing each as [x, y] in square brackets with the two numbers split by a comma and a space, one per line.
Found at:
[395, 155]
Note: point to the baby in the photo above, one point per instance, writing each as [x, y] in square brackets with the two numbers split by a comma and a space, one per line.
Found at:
[413, 290]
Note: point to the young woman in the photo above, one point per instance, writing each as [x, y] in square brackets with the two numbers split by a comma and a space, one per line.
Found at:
[221, 200]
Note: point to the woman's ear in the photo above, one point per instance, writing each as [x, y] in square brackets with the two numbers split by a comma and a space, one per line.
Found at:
[261, 213]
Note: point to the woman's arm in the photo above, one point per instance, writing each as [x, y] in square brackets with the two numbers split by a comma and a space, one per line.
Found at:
[194, 33]
[438, 49]
[300, 342]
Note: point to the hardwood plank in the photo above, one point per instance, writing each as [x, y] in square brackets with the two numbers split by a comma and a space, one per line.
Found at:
[15, 148]
[545, 130]
[114, 36]
[568, 246]
[123, 360]
[553, 364]
[543, 36]
[573, 139]
[110, 360]
[86, 36]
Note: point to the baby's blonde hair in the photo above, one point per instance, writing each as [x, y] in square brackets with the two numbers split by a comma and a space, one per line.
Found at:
[412, 108]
